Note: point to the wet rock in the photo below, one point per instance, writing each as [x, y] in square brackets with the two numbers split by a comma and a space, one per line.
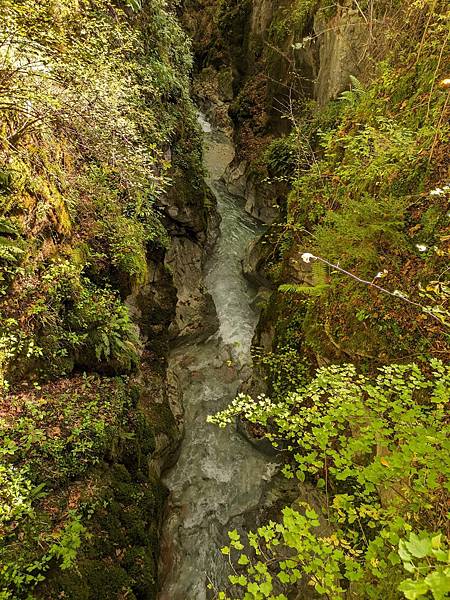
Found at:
[213, 89]
[152, 305]
[259, 442]
[195, 317]
[253, 263]
[261, 300]
[260, 202]
[259, 199]
[235, 177]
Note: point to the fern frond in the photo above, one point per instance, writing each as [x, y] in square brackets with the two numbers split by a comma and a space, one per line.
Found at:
[355, 93]
[10, 250]
[319, 273]
[7, 227]
[357, 86]
[308, 290]
[319, 277]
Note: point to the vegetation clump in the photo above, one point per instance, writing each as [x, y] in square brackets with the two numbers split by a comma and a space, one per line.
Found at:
[369, 193]
[94, 102]
[378, 449]
[91, 95]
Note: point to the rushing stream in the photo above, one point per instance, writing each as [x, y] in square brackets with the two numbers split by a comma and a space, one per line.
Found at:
[219, 477]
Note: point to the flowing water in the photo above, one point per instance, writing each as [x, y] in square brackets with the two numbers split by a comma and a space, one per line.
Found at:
[219, 477]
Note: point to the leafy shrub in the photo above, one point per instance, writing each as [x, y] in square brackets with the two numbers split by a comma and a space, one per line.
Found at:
[106, 92]
[378, 449]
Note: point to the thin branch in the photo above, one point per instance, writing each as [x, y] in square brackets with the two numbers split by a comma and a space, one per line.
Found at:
[307, 257]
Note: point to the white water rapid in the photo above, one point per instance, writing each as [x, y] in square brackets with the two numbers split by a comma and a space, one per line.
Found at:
[219, 477]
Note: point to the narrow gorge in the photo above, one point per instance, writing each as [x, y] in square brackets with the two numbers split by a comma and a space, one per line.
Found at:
[218, 476]
[224, 299]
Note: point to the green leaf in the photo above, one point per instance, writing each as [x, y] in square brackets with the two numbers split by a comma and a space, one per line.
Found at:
[233, 535]
[419, 547]
[403, 552]
[266, 588]
[253, 588]
[413, 589]
[439, 584]
[283, 577]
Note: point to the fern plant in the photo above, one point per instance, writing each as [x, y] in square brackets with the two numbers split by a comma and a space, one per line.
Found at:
[319, 282]
[354, 94]
[135, 5]
[11, 248]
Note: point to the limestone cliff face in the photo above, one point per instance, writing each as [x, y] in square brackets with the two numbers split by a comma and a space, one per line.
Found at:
[341, 47]
[295, 44]
[258, 58]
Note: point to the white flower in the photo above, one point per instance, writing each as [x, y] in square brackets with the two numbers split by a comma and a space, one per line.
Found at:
[381, 274]
[306, 257]
[421, 247]
[438, 192]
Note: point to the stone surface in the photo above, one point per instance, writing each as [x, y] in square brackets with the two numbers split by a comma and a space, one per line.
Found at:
[341, 52]
[195, 316]
[254, 262]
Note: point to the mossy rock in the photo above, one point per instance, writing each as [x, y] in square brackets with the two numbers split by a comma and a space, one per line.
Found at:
[140, 566]
[93, 580]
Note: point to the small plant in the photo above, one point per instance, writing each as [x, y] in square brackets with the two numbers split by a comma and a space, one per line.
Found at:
[11, 247]
[319, 283]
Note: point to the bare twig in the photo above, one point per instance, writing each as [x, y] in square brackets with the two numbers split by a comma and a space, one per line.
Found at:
[307, 257]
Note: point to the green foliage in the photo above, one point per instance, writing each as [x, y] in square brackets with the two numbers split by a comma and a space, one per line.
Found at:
[280, 157]
[378, 448]
[135, 5]
[18, 579]
[354, 94]
[292, 20]
[369, 192]
[106, 91]
[10, 247]
[92, 96]
[56, 435]
[319, 283]
[284, 369]
[71, 320]
[427, 559]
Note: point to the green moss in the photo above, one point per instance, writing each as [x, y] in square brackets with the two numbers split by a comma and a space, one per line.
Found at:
[94, 580]
[292, 20]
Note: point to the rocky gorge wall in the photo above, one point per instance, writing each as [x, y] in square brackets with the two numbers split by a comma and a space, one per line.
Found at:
[292, 67]
[101, 270]
[257, 61]
[89, 415]
[340, 121]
